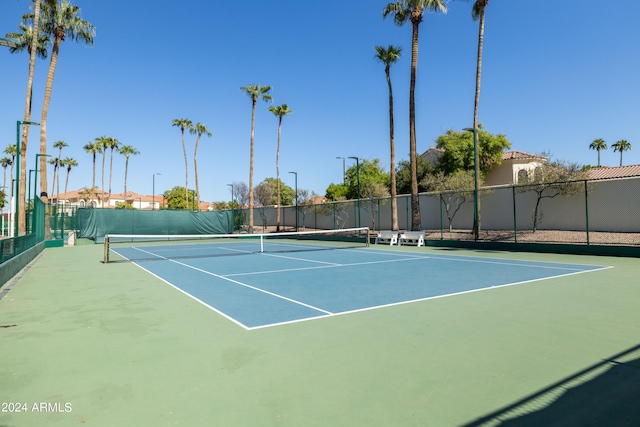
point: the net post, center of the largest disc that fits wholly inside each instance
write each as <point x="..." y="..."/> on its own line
<point x="261" y="243"/>
<point x="106" y="249"/>
<point x="368" y="237"/>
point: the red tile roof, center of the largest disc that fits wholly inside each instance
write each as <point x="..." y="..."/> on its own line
<point x="519" y="155"/>
<point x="609" y="172"/>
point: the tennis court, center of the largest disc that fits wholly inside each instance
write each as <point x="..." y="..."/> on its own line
<point x="282" y="281"/>
<point x="413" y="337"/>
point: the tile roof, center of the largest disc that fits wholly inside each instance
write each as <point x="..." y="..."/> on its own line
<point x="519" y="155"/>
<point x="609" y="172"/>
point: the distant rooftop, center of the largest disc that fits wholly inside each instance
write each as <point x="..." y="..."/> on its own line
<point x="519" y="155"/>
<point x="609" y="172"/>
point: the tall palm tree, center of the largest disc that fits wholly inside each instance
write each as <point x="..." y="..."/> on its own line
<point x="622" y="145"/>
<point x="104" y="142"/>
<point x="478" y="14"/>
<point x="280" y="111"/>
<point x="126" y="151"/>
<point x="185" y="124"/>
<point x="69" y="163"/>
<point x="11" y="150"/>
<point x="5" y="161"/>
<point x="60" y="20"/>
<point x="254" y="92"/>
<point x="598" y="144"/>
<point x="404" y="11"/>
<point x="23" y="41"/>
<point x="93" y="148"/>
<point x="113" y="144"/>
<point x="27" y="114"/>
<point x="388" y="57"/>
<point x="56" y="165"/>
<point x="200" y="129"/>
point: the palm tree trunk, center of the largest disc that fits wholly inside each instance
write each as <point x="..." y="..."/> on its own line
<point x="278" y="177"/>
<point x="126" y="171"/>
<point x="253" y="120"/>
<point x="415" y="200"/>
<point x="66" y="181"/>
<point x="195" y="171"/>
<point x="186" y="172"/>
<point x="392" y="167"/>
<point x="476" y="102"/>
<point x="45" y="111"/>
<point x="104" y="155"/>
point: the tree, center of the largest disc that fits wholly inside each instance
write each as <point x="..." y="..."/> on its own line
<point x="403" y="175"/>
<point x="598" y="144"/>
<point x="267" y="193"/>
<point x="60" y="145"/>
<point x="458" y="151"/>
<point x="254" y="92"/>
<point x="126" y="151"/>
<point x="93" y="148"/>
<point x="453" y="190"/>
<point x="27" y="114"/>
<point x="390" y="56"/>
<point x="56" y="165"/>
<point x="185" y="124"/>
<point x="200" y="129"/>
<point x="280" y="111"/>
<point x="370" y="172"/>
<point x="404" y="11"/>
<point x="60" y="20"/>
<point x="177" y="197"/>
<point x="69" y="163"/>
<point x="622" y="145"/>
<point x="374" y="193"/>
<point x="336" y="192"/>
<point x="23" y="40"/>
<point x="11" y="150"/>
<point x="113" y="144"/>
<point x="552" y="179"/>
<point x="241" y="193"/>
<point x="5" y="161"/>
<point x="104" y="142"/>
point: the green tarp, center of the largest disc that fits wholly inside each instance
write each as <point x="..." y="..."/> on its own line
<point x="95" y="223"/>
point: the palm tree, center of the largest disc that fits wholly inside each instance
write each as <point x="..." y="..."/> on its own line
<point x="622" y="145"/>
<point x="254" y="92"/>
<point x="598" y="144"/>
<point x="389" y="56"/>
<point x="279" y="111"/>
<point x="126" y="151"/>
<point x="69" y="163"/>
<point x="113" y="144"/>
<point x="93" y="148"/>
<point x="5" y="161"/>
<point x="104" y="142"/>
<point x="200" y="129"/>
<point x="60" y="20"/>
<point x="56" y="165"/>
<point x="404" y="11"/>
<point x="11" y="150"/>
<point x="27" y="114"/>
<point x="182" y="124"/>
<point x="22" y="40"/>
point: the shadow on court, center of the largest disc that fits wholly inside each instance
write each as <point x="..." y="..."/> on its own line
<point x="605" y="394"/>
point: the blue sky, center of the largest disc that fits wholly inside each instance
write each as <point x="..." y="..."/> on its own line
<point x="556" y="75"/>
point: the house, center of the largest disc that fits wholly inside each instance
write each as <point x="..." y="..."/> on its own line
<point x="514" y="167"/>
<point x="609" y="172"/>
<point x="98" y="199"/>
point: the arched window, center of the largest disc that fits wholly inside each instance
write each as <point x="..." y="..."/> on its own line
<point x="523" y="176"/>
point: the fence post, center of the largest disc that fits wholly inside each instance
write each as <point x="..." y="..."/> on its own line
<point x="515" y="225"/>
<point x="586" y="209"/>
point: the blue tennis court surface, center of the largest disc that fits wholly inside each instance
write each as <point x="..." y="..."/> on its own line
<point x="266" y="289"/>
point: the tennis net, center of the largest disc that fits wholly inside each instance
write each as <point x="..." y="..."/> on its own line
<point x="142" y="247"/>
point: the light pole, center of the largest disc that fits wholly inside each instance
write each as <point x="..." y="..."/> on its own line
<point x="358" y="178"/>
<point x="233" y="212"/>
<point x="296" y="190"/>
<point x="344" y="170"/>
<point x="153" y="195"/>
<point x="35" y="181"/>
<point x="17" y="165"/>
<point x="476" y="173"/>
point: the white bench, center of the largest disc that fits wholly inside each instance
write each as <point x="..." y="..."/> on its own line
<point x="412" y="238"/>
<point x="387" y="237"/>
